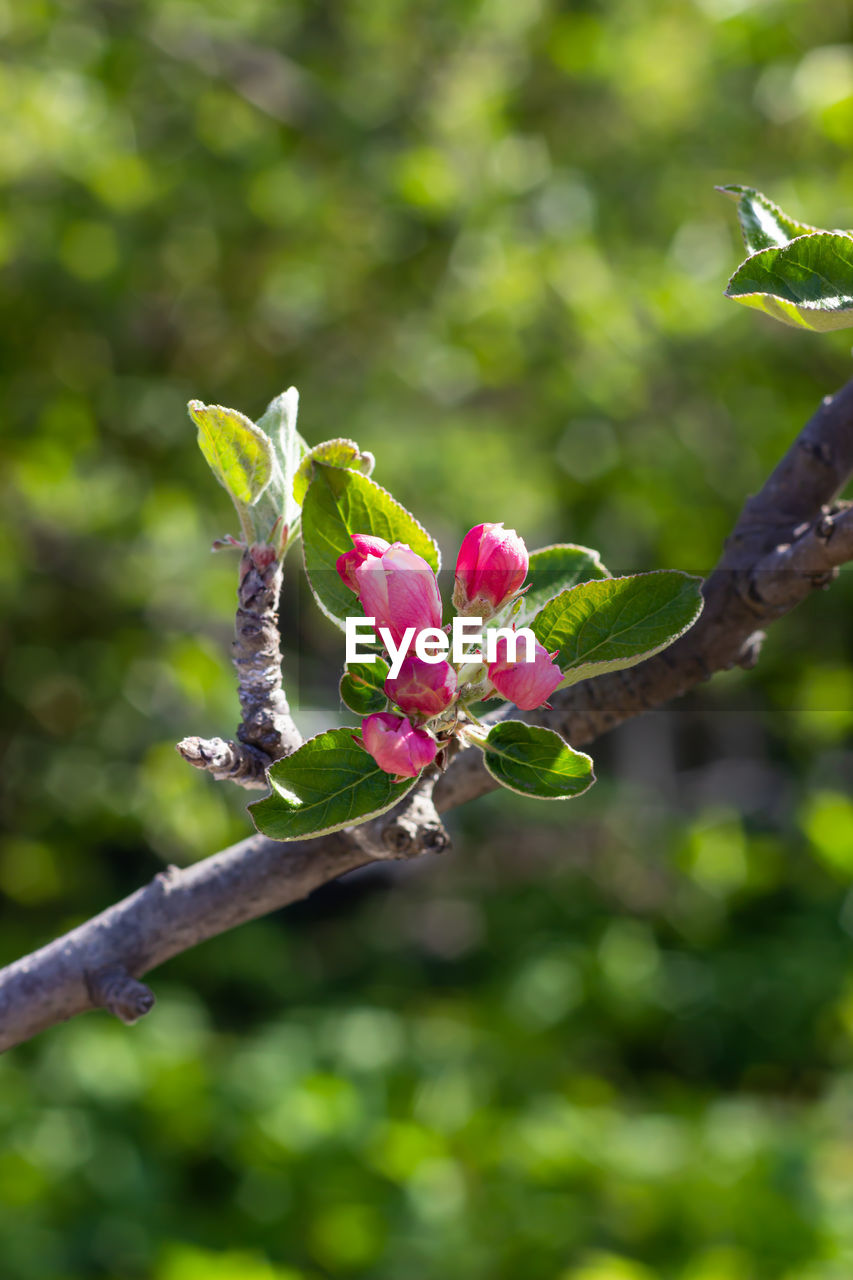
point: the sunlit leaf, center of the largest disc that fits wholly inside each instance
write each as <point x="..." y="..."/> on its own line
<point x="763" y="224"/>
<point x="279" y="423"/>
<point x="617" y="622"/>
<point x="238" y="452"/>
<point x="536" y="762"/>
<point x="555" y="569"/>
<point x="330" y="782"/>
<point x="339" y="503"/>
<point x="333" y="453"/>
<point x="807" y="283"/>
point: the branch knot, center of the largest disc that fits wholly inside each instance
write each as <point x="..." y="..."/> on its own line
<point x="412" y="828"/>
<point x="116" y="990"/>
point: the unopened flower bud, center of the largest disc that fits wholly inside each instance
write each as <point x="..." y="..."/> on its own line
<point x="491" y="566"/>
<point x="399" y="589"/>
<point x="396" y="745"/>
<point x="527" y="684"/>
<point x="364" y="545"/>
<point x="427" y="688"/>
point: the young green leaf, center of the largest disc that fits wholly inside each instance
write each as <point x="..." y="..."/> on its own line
<point x="238" y="453"/>
<point x="617" y="622"/>
<point x="333" y="453"/>
<point x="763" y="224"/>
<point x="279" y="423"/>
<point x="362" y="686"/>
<point x="330" y="782"/>
<point x="555" y="569"/>
<point x="339" y="503"/>
<point x="536" y="762"/>
<point x="806" y="283"/>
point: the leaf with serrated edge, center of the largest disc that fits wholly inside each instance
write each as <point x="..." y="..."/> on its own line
<point x="332" y="453"/>
<point x="536" y="762"/>
<point x="362" y="686"/>
<point x="339" y="503"/>
<point x="807" y="283"/>
<point x="763" y="224"/>
<point x="617" y="622"/>
<point x="554" y="569"/>
<point x="238" y="453"/>
<point x="329" y="783"/>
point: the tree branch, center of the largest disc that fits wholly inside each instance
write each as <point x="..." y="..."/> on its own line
<point x="785" y="544"/>
<point x="267" y="732"/>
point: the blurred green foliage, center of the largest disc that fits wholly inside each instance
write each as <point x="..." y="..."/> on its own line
<point x="481" y="237"/>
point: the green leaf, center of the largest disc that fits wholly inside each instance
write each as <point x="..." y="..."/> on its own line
<point x="332" y="453"/>
<point x="362" y="686"/>
<point x="536" y="762"/>
<point x="618" y="622"/>
<point x="238" y="453"/>
<point x="763" y="224"/>
<point x="339" y="503"/>
<point x="807" y="283"/>
<point x="279" y="423"/>
<point x="554" y="569"/>
<point x="330" y="782"/>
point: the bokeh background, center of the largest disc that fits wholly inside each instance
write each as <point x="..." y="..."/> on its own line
<point x="611" y="1040"/>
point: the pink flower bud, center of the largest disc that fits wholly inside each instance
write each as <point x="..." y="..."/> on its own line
<point x="365" y="545"/>
<point x="399" y="590"/>
<point x="396" y="745"/>
<point x="491" y="566"/>
<point x="527" y="684"/>
<point x="424" y="687"/>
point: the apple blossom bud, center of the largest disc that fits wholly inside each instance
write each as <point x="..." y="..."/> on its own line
<point x="396" y="745"/>
<point x="491" y="566"/>
<point x="399" y="589"/>
<point x="427" y="688"/>
<point x="365" y="545"/>
<point x="527" y="684"/>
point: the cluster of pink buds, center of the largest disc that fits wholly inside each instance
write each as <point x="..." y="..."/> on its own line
<point x="399" y="590"/>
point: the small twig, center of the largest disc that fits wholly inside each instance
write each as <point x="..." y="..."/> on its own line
<point x="267" y="732"/>
<point x="121" y="994"/>
<point x="227" y="761"/>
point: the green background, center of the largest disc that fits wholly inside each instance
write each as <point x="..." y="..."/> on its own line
<point x="604" y="1041"/>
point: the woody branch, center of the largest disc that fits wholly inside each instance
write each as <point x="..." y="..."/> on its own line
<point x="790" y="539"/>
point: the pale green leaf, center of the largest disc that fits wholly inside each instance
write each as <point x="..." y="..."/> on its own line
<point x="279" y="423"/>
<point x="333" y="453"/>
<point x="238" y="453"/>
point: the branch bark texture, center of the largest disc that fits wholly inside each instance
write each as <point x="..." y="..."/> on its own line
<point x="267" y="732"/>
<point x="788" y="540"/>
